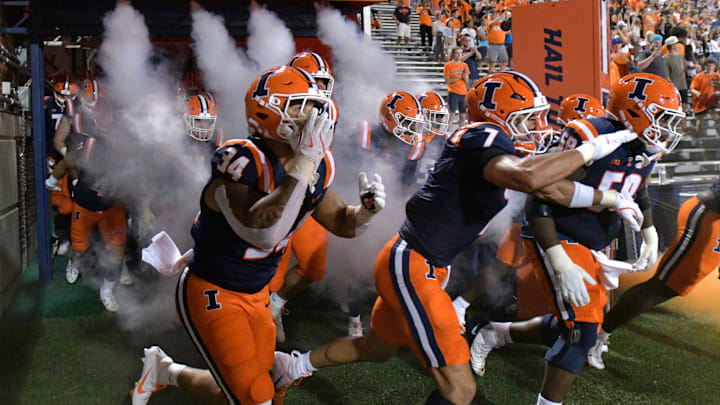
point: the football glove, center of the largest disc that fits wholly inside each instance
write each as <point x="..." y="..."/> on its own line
<point x="315" y="138"/>
<point x="570" y="277"/>
<point x="603" y="145"/>
<point x="51" y="183"/>
<point x="648" y="250"/>
<point x="629" y="211"/>
<point x="372" y="198"/>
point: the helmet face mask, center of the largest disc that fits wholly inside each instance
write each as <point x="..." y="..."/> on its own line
<point x="662" y="134"/>
<point x="200" y="128"/>
<point x="437" y="122"/>
<point x="295" y="110"/>
<point x="530" y="124"/>
<point x="408" y="129"/>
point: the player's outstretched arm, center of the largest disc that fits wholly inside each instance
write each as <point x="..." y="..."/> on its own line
<point x="348" y="221"/>
<point x="649" y="247"/>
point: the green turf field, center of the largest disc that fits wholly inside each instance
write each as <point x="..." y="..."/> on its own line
<point x="58" y="346"/>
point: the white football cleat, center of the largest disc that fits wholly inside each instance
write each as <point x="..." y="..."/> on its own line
<point x="355" y="327"/>
<point x="71" y="272"/>
<point x="286" y="373"/>
<point x="108" y="299"/>
<point x="482" y="345"/>
<point x="595" y="359"/>
<point x="154" y="377"/>
<point x="125" y="278"/>
<point x="277" y="313"/>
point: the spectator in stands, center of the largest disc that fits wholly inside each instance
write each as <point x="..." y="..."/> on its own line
<point x="375" y="19"/>
<point x="620" y="60"/>
<point x="457" y="77"/>
<point x="497" y="53"/>
<point x="468" y="29"/>
<point x="441" y="32"/>
<point x="471" y="56"/>
<point x="677" y="68"/>
<point x="401" y="15"/>
<point x="650" y="60"/>
<point x="482" y="39"/>
<point x="705" y="89"/>
<point x="426" y="24"/>
<point x="507" y="27"/>
<point x="455" y="26"/>
<point x="714" y="45"/>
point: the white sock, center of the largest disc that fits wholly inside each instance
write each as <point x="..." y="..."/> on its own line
<point x="502" y="330"/>
<point x="355" y="319"/>
<point x="174" y="371"/>
<point x="277" y="301"/>
<point x="460" y="303"/>
<point x="107" y="285"/>
<point x="305" y="364"/>
<point x="543" y="401"/>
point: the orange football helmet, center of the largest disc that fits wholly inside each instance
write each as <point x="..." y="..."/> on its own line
<point x="434" y="108"/>
<point x="513" y="101"/>
<point x="64" y="86"/>
<point x="317" y="67"/>
<point x="580" y="106"/>
<point x="650" y="106"/>
<point x="401" y="115"/>
<point x="270" y="96"/>
<point x="91" y="94"/>
<point x="200" y="117"/>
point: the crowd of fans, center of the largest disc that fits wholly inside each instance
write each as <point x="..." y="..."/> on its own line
<point x="677" y="40"/>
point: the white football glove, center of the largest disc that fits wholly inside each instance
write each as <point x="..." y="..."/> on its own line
<point x="315" y="138"/>
<point x="603" y="145"/>
<point x="629" y="211"/>
<point x="648" y="250"/>
<point x="570" y="277"/>
<point x="372" y="198"/>
<point x="51" y="183"/>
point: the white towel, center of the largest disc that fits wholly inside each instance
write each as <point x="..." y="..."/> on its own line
<point x="612" y="269"/>
<point x="164" y="255"/>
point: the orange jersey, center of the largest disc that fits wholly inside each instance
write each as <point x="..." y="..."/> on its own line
<point x="694" y="253"/>
<point x="495" y="34"/>
<point x="424" y="14"/>
<point x="702" y="82"/>
<point x="413" y="309"/>
<point x="454" y="70"/>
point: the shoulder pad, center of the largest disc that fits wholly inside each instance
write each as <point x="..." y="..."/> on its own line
<point x="240" y="160"/>
<point x="483" y="135"/>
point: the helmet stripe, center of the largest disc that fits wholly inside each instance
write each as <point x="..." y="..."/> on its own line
<point x="529" y="82"/>
<point x="319" y="60"/>
<point x="203" y="104"/>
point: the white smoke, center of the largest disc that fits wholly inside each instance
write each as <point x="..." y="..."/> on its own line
<point x="227" y="71"/>
<point x="270" y="43"/>
<point x="152" y="166"/>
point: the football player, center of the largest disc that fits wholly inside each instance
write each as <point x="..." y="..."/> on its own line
<point x="400" y="119"/>
<point x="463" y="192"/>
<point x="59" y="110"/>
<point x="93" y="208"/>
<point x="510" y="252"/>
<point x="564" y="238"/>
<point x="693" y="254"/>
<point x="579" y="106"/>
<point x="261" y="189"/>
<point x="309" y="242"/>
<point x="437" y="117"/>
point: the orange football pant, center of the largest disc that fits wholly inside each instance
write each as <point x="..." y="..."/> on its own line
<point x="412" y="308"/>
<point x="309" y="244"/>
<point x="111" y="223"/>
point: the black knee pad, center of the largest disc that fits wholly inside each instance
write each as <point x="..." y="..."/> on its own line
<point x="549" y="330"/>
<point x="571" y="348"/>
<point x="61" y="226"/>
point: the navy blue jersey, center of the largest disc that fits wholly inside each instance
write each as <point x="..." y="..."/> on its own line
<point x="88" y="192"/>
<point x="384" y="145"/>
<point x="456" y="203"/>
<point x="54" y="111"/>
<point x="618" y="171"/>
<point x="220" y="255"/>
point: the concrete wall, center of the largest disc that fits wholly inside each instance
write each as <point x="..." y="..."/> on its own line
<point x="17" y="219"/>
